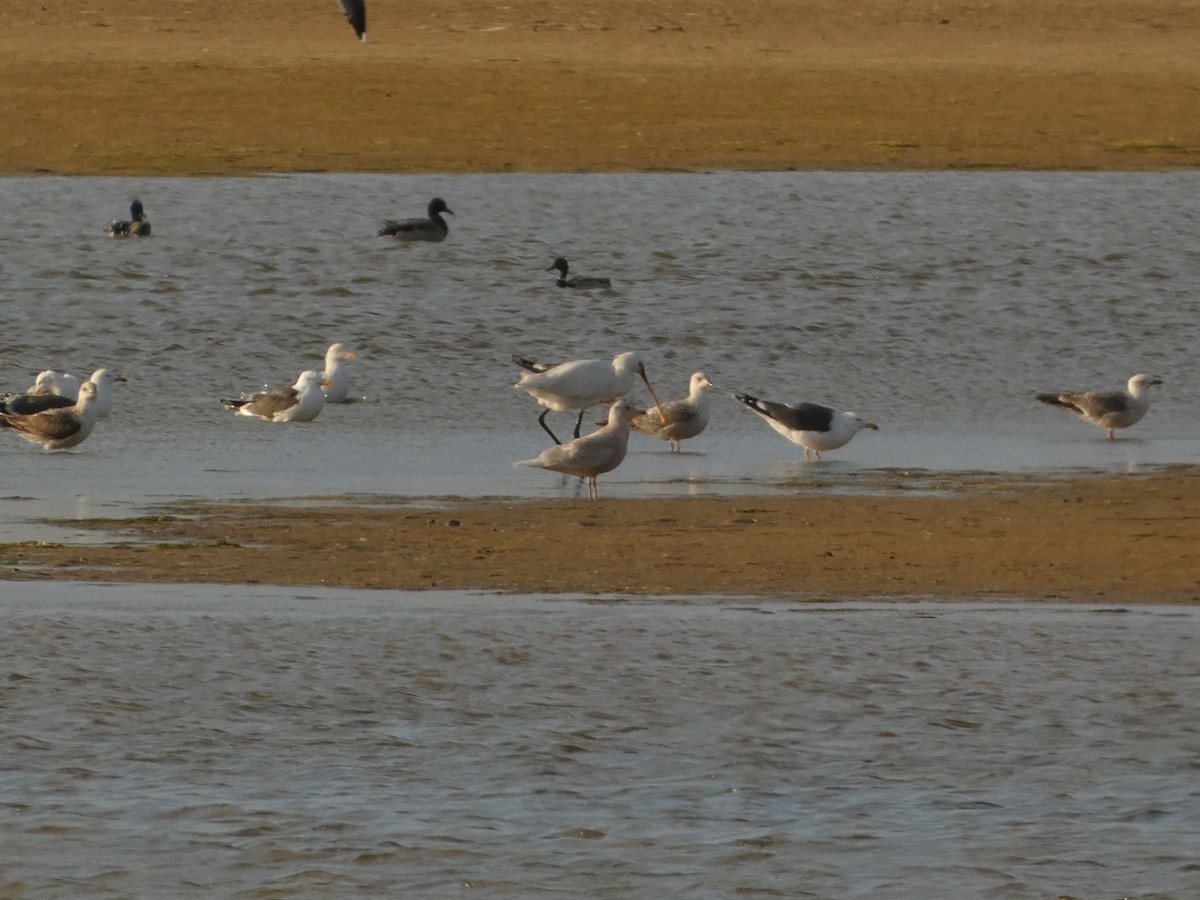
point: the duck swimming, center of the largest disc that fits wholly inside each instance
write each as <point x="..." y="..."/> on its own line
<point x="578" y="282"/>
<point x="431" y="228"/>
<point x="137" y="226"/>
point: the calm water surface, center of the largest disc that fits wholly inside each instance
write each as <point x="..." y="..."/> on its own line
<point x="934" y="304"/>
<point x="255" y="742"/>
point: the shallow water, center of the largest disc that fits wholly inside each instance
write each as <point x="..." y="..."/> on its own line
<point x="258" y="742"/>
<point x="932" y="303"/>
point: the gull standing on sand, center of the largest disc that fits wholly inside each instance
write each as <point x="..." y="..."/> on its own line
<point x="356" y="15"/>
<point x="1108" y="409"/>
<point x="579" y="282"/>
<point x="137" y="226"/>
<point x="815" y="428"/>
<point x="57" y="429"/>
<point x="431" y="228"/>
<point x="678" y="420"/>
<point x="579" y="384"/>
<point x="336" y="375"/>
<point x="301" y="402"/>
<point x="586" y="457"/>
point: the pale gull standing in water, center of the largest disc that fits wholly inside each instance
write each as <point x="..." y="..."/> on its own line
<point x="594" y="454"/>
<point x="677" y="420"/>
<point x="815" y="428"/>
<point x="57" y="429"/>
<point x="301" y="402"/>
<point x="579" y="282"/>
<point x="579" y="384"/>
<point x="1108" y="409"/>
<point x="337" y="375"/>
<point x="431" y="228"/>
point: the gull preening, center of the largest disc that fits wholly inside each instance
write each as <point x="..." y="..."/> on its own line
<point x="579" y="384"/>
<point x="356" y="15"/>
<point x="1108" y="409"/>
<point x="594" y="454"/>
<point x="301" y="402"/>
<point x="432" y="228"/>
<point x="60" y="428"/>
<point x="579" y="282"/>
<point x="137" y="226"/>
<point x="815" y="428"/>
<point x="337" y="375"/>
<point x="678" y="420"/>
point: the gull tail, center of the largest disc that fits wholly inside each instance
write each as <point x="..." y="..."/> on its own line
<point x="1055" y="400"/>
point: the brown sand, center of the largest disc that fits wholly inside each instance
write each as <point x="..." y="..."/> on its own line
<point x="1119" y="539"/>
<point x="218" y="86"/>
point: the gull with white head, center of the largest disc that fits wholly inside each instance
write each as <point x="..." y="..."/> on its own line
<point x="815" y="428"/>
<point x="678" y="420"/>
<point x="1109" y="410"/>
<point x="301" y="402"/>
<point x="57" y="429"/>
<point x="594" y="454"/>
<point x="336" y="374"/>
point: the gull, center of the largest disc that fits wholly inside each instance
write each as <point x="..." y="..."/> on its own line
<point x="815" y="428"/>
<point x="592" y="455"/>
<point x="431" y="228"/>
<point x="579" y="384"/>
<point x="301" y="402"/>
<point x="104" y="379"/>
<point x="49" y="392"/>
<point x="677" y="420"/>
<point x="138" y="226"/>
<point x="580" y="282"/>
<point x="1108" y="409"/>
<point x="356" y="15"/>
<point x="52" y="382"/>
<point x="57" y="429"/>
<point x="336" y="375"/>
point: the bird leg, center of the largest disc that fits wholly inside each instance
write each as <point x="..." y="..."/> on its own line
<point x="579" y="423"/>
<point x="546" y="428"/>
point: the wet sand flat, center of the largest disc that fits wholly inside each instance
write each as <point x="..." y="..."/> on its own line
<point x="195" y="88"/>
<point x="1100" y="539"/>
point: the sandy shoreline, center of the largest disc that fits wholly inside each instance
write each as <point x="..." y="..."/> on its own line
<point x="191" y="88"/>
<point x="1125" y="539"/>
